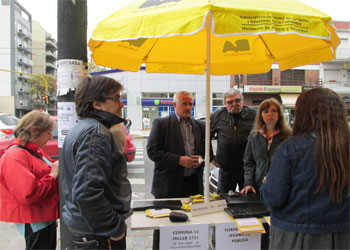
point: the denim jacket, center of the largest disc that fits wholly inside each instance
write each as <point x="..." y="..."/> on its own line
<point x="290" y="192"/>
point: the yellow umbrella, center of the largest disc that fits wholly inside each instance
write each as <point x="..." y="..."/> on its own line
<point x="247" y="36"/>
<point x="215" y="37"/>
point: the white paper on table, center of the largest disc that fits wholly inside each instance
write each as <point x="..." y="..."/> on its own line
<point x="184" y="237"/>
<point x="227" y="236"/>
<point x="250" y="225"/>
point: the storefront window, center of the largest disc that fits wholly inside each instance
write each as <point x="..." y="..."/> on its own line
<point x="217" y="100"/>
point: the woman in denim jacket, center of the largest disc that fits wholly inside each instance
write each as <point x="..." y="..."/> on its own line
<point x="307" y="187"/>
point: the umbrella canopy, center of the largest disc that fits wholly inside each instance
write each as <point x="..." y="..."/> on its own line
<point x="214" y="37"/>
<point x="247" y="36"/>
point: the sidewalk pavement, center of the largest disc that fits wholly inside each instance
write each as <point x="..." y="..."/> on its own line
<point x="11" y="239"/>
<point x="139" y="134"/>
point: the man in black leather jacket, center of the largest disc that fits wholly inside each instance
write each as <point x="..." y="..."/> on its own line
<point x="231" y="125"/>
<point x="95" y="187"/>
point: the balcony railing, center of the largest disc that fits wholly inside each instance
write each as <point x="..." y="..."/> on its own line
<point x="337" y="84"/>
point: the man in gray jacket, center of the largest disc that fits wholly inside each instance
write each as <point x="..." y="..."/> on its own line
<point x="231" y="125"/>
<point x="95" y="187"/>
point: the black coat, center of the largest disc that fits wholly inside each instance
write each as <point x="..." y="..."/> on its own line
<point x="257" y="158"/>
<point x="165" y="146"/>
<point x="231" y="138"/>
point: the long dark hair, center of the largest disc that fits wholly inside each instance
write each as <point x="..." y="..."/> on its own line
<point x="321" y="112"/>
<point x="281" y="124"/>
<point x="94" y="88"/>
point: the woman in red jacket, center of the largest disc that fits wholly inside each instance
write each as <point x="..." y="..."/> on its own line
<point x="29" y="182"/>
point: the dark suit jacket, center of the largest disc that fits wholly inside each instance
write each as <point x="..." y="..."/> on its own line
<point x="165" y="146"/>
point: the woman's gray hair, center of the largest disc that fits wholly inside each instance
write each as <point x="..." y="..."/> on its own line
<point x="182" y="92"/>
<point x="36" y="119"/>
<point x="232" y="92"/>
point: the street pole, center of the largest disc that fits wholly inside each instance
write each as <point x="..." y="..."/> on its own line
<point x="72" y="47"/>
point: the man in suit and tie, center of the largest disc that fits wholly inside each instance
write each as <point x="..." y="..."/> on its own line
<point x="176" y="143"/>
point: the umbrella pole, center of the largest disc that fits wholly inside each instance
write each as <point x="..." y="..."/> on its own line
<point x="207" y="120"/>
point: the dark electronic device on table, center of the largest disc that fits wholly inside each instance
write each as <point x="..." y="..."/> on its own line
<point x="245" y="205"/>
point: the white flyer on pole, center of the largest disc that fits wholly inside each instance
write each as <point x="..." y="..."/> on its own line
<point x="66" y="120"/>
<point x="69" y="74"/>
<point x="227" y="236"/>
<point x="184" y="237"/>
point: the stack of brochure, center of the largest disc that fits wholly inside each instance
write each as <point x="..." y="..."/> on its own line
<point x="158" y="213"/>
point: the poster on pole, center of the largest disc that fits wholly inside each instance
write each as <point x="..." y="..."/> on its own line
<point x="227" y="236"/>
<point x="69" y="73"/>
<point x="184" y="237"/>
<point x="66" y="120"/>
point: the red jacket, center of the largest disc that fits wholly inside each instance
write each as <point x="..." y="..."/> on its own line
<point x="27" y="192"/>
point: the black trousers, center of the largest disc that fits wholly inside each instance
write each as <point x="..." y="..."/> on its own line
<point x="42" y="239"/>
<point x="97" y="242"/>
<point x="229" y="179"/>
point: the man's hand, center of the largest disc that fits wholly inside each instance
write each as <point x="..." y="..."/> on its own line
<point x="215" y="163"/>
<point x="189" y="161"/>
<point x="247" y="189"/>
<point x="195" y="161"/>
<point x="185" y="161"/>
<point x="54" y="170"/>
<point x="117" y="238"/>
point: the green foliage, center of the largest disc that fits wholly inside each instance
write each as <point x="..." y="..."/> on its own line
<point x="95" y="68"/>
<point x="37" y="89"/>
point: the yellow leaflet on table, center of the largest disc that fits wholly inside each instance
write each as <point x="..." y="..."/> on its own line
<point x="158" y="213"/>
<point x="249" y="225"/>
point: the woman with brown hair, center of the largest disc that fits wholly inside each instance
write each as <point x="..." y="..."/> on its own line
<point x="307" y="187"/>
<point x="29" y="182"/>
<point x="270" y="129"/>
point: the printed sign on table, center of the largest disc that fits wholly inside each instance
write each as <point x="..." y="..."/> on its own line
<point x="228" y="237"/>
<point x="184" y="237"/>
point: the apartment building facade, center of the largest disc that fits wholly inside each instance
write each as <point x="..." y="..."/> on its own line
<point x="15" y="56"/>
<point x="25" y="49"/>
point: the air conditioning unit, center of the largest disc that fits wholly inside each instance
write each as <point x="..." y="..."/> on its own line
<point x="21" y="103"/>
<point x="21" y="89"/>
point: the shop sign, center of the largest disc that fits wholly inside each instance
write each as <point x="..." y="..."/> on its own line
<point x="272" y="89"/>
<point x="308" y="87"/>
<point x="184" y="237"/>
<point x="159" y="102"/>
<point x="227" y="236"/>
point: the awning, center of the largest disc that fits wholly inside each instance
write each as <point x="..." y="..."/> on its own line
<point x="289" y="100"/>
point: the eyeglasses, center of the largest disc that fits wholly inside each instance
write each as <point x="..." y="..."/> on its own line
<point x="115" y="98"/>
<point x="238" y="100"/>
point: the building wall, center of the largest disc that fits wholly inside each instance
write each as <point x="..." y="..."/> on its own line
<point x="39" y="48"/>
<point x="138" y="83"/>
<point x="5" y="53"/>
<point x="311" y="76"/>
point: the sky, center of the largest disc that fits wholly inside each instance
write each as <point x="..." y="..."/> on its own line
<point x="45" y="11"/>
